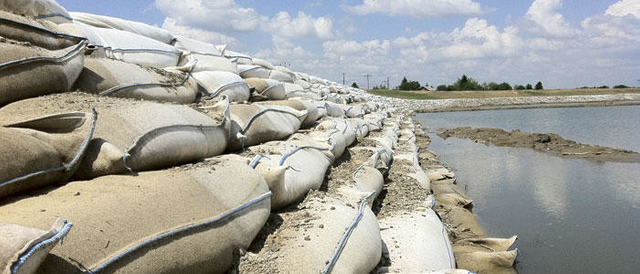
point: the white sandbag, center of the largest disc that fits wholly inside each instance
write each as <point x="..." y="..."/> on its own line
<point x="287" y="71"/>
<point x="22" y="249"/>
<point x="28" y="71"/>
<point x="338" y="99"/>
<point x="334" y="110"/>
<point x="337" y="238"/>
<point x="143" y="29"/>
<point x="169" y="221"/>
<point x="206" y="62"/>
<point x="43" y="151"/>
<point x="340" y="126"/>
<point x="263" y="63"/>
<point x="292" y="89"/>
<point x="110" y="77"/>
<point x="302" y="105"/>
<point x="304" y="84"/>
<point x="221" y="83"/>
<point x="131" y="47"/>
<point x="136" y="135"/>
<point x="255" y="124"/>
<point x="39" y="9"/>
<point x="238" y="58"/>
<point x="251" y="71"/>
<point x="292" y="168"/>
<point x="353" y="110"/>
<point x="417" y="241"/>
<point x="281" y="76"/>
<point x="195" y="46"/>
<point x="265" y="89"/>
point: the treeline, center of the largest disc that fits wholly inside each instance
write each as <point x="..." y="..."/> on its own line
<point x="468" y="83"/>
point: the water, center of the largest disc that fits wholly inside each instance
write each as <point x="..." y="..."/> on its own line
<point x="606" y="126"/>
<point x="571" y="215"/>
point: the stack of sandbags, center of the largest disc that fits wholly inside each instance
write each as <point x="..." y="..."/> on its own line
<point x="189" y="219"/>
<point x="36" y="57"/>
<point x="101" y="21"/>
<point x="135" y="135"/>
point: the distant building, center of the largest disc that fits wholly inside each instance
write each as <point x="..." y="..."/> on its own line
<point x="427" y="88"/>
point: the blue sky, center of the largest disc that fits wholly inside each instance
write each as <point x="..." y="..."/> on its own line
<point x="564" y="44"/>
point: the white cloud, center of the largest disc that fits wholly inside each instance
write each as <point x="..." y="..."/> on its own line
<point x="625" y="7"/>
<point x="219" y="15"/>
<point x="417" y="8"/>
<point x="546" y="19"/>
<point x="212" y="37"/>
<point x="303" y="26"/>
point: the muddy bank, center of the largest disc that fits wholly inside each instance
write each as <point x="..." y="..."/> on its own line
<point x="550" y="143"/>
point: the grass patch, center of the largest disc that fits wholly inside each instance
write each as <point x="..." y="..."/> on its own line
<point x="402" y="94"/>
<point x="428" y="95"/>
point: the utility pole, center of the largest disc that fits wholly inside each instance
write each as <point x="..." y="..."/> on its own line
<point x="368" y="76"/>
<point x="343" y="78"/>
<point x="388" y="82"/>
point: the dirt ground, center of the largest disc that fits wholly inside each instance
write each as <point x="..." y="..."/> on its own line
<point x="550" y="143"/>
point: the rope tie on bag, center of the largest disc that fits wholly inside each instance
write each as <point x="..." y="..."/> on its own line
<point x="41" y="245"/>
<point x="347" y="234"/>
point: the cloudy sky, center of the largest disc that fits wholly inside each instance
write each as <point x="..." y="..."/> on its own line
<point x="564" y="44"/>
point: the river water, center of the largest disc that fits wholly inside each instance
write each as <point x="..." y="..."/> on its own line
<point x="571" y="215"/>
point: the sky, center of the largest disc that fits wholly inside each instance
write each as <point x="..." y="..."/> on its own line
<point x="563" y="44"/>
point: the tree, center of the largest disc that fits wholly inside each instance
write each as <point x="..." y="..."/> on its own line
<point x="354" y="85"/>
<point x="620" y="86"/>
<point x="466" y="83"/>
<point x="539" y="86"/>
<point x="529" y="86"/>
<point x="442" y="88"/>
<point x="408" y="85"/>
<point x="519" y="87"/>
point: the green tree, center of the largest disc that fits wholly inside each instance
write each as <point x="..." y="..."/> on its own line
<point x="529" y="86"/>
<point x="354" y="85"/>
<point x="408" y="85"/>
<point x="620" y="86"/>
<point x="539" y="86"/>
<point x="466" y="83"/>
<point x="442" y="88"/>
<point x="519" y="87"/>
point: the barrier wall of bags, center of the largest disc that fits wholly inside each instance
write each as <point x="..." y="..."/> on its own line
<point x="149" y="152"/>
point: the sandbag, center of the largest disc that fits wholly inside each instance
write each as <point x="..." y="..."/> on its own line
<point x="417" y="241"/>
<point x="263" y="63"/>
<point x="265" y="89"/>
<point x="501" y="262"/>
<point x="195" y="46"/>
<point x="238" y="58"/>
<point x="110" y="77"/>
<point x="302" y="105"/>
<point x="333" y="137"/>
<point x="304" y="84"/>
<point x="292" y="168"/>
<point x="139" y="28"/>
<point x="342" y="127"/>
<point x="281" y="76"/>
<point x="292" y="89"/>
<point x="169" y="221"/>
<point x="223" y="83"/>
<point x="39" y="9"/>
<point x="412" y="168"/>
<point x="334" y="110"/>
<point x="353" y="110"/>
<point x="22" y="249"/>
<point x="136" y="135"/>
<point x="28" y="71"/>
<point x="251" y="71"/>
<point x="286" y="70"/>
<point x="130" y="47"/>
<point x="339" y="237"/>
<point x="207" y="62"/>
<point x="43" y="151"/>
<point x="255" y="124"/>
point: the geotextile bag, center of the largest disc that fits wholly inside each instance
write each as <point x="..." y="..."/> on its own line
<point x="265" y="89"/>
<point x="143" y="29"/>
<point x="302" y="105"/>
<point x="254" y="124"/>
<point x="281" y="76"/>
<point x="43" y="151"/>
<point x="292" y="168"/>
<point x="29" y="71"/>
<point x="137" y="135"/>
<point x="252" y="71"/>
<point x="170" y="221"/>
<point x="22" y="249"/>
<point x="40" y="9"/>
<point x="223" y="83"/>
<point x="110" y="77"/>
